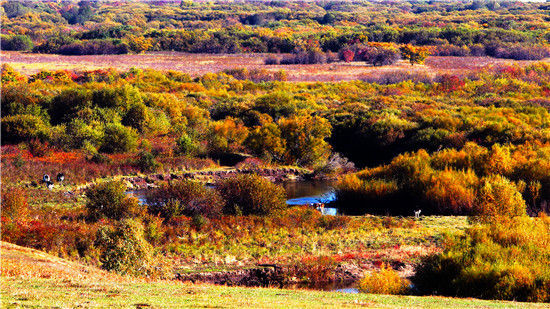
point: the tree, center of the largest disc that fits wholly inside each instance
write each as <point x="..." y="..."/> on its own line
<point x="497" y="196"/>
<point x="118" y="138"/>
<point x="109" y="200"/>
<point x="251" y="195"/>
<point x="415" y="54"/>
<point x="22" y="128"/>
<point x="305" y="138"/>
<point x="16" y="42"/>
<point x="266" y="141"/>
<point x="124" y="248"/>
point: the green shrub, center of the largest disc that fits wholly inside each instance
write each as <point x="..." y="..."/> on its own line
<point x="186" y="198"/>
<point x="65" y="106"/>
<point x="23" y="128"/>
<point x="109" y="200"/>
<point x="136" y="117"/>
<point x="384" y="281"/>
<point x="504" y="259"/>
<point x="118" y="138"/>
<point x="186" y="146"/>
<point x="79" y="133"/>
<point x="124" y="249"/>
<point x="16" y="42"/>
<point x="251" y="195"/>
<point x="147" y="162"/>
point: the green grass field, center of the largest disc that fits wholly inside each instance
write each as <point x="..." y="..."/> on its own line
<point x="34" y="279"/>
<point x="67" y="294"/>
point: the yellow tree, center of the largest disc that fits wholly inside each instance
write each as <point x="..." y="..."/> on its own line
<point x="415" y="54"/>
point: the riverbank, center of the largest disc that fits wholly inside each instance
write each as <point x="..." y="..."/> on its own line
<point x="32" y="278"/>
<point x="19" y="292"/>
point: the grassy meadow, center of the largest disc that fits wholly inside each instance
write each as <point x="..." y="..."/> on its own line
<point x="60" y="283"/>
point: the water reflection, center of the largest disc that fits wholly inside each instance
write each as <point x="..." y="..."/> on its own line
<point x="311" y="192"/>
<point x="297" y="193"/>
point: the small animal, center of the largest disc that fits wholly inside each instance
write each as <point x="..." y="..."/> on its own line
<point x="49" y="185"/>
<point x="417" y="213"/>
<point x="46" y="178"/>
<point x="320" y="207"/>
<point x="60" y="177"/>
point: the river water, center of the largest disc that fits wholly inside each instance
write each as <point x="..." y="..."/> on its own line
<point x="297" y="193"/>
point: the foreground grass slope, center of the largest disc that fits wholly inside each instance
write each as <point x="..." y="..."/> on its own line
<point x="31" y="278"/>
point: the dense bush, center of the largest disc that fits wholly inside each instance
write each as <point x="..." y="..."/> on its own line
<point x="305" y="138"/>
<point x="109" y="200"/>
<point x="498" y="197"/>
<point x="186" y="146"/>
<point x="518" y="52"/>
<point x="384" y="281"/>
<point x="125" y="250"/>
<point x="147" y="162"/>
<point x="251" y="195"/>
<point x="14" y="204"/>
<point x="307" y="57"/>
<point x="506" y="259"/>
<point x="471" y="181"/>
<point x="93" y="47"/>
<point x="374" y="54"/>
<point x="16" y="42"/>
<point x="185" y="197"/>
<point x="118" y="138"/>
<point x="23" y="128"/>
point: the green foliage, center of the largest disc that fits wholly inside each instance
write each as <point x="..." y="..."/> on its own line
<point x="186" y="146"/>
<point x="66" y="106"/>
<point x="504" y="259"/>
<point x="136" y="117"/>
<point x="16" y="42"/>
<point x="276" y="105"/>
<point x="118" y="138"/>
<point x="186" y="198"/>
<point x="251" y="195"/>
<point x="147" y="162"/>
<point x="305" y="138"/>
<point x="109" y="200"/>
<point x="125" y="250"/>
<point x="79" y="134"/>
<point x="23" y="128"/>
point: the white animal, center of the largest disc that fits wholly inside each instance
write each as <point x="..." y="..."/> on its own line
<point x="320" y="207"/>
<point x="49" y="185"/>
<point x="417" y="213"/>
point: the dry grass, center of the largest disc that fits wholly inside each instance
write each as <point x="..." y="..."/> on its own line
<point x="199" y="64"/>
<point x="31" y="278"/>
<point x="22" y="262"/>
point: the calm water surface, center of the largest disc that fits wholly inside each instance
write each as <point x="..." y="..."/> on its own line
<point x="297" y="193"/>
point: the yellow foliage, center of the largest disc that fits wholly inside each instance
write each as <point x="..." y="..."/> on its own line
<point x="384" y="281"/>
